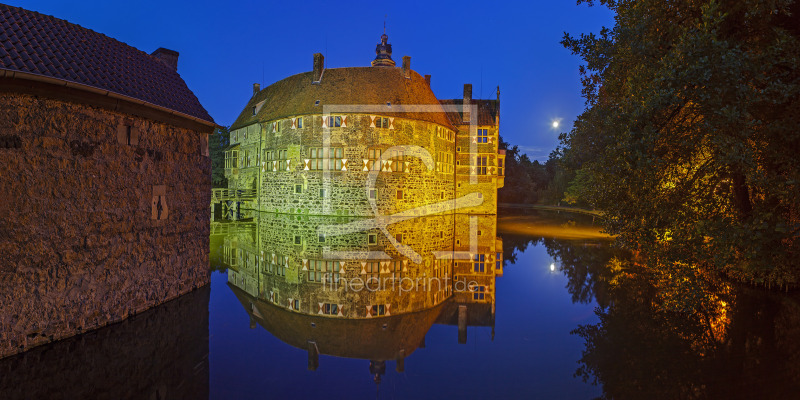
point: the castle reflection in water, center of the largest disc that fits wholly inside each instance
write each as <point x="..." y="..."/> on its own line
<point x="342" y="287"/>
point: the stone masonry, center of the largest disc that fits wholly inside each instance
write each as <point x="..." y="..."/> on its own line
<point x="82" y="238"/>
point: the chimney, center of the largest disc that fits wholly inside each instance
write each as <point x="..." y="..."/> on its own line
<point x="428" y="80"/>
<point x="467" y="93"/>
<point x="319" y="66"/>
<point x="467" y="102"/>
<point x="407" y="66"/>
<point x="167" y="56"/>
<point x="497" y="113"/>
<point x="256" y="88"/>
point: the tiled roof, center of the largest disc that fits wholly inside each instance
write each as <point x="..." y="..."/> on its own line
<point x="372" y="86"/>
<point x="39" y="44"/>
<point x="487" y="111"/>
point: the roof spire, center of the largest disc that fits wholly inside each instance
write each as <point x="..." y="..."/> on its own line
<point x="383" y="52"/>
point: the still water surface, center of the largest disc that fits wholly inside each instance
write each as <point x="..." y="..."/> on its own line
<point x="531" y="306"/>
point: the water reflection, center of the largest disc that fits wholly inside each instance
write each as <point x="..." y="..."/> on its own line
<point x="658" y="332"/>
<point x="674" y="338"/>
<point x="361" y="294"/>
<point x="666" y="332"/>
<point x="161" y="353"/>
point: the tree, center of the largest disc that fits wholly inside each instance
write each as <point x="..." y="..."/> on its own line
<point x="689" y="139"/>
<point x="217" y="143"/>
<point x="532" y="182"/>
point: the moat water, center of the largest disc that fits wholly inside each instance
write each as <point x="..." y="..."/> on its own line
<point x="530" y="306"/>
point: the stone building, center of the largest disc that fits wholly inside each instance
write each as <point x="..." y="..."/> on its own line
<point x="363" y="140"/>
<point x="105" y="179"/>
<point x="356" y="294"/>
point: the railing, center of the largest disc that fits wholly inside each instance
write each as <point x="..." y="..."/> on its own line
<point x="226" y="228"/>
<point x="218" y="195"/>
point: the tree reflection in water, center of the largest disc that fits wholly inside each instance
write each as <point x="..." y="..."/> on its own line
<point x="672" y="332"/>
<point x="666" y="335"/>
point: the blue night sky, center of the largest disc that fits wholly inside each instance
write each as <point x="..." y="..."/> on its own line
<point x="225" y="47"/>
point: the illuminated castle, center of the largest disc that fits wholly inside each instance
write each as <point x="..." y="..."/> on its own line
<point x="362" y="140"/>
<point x="356" y="295"/>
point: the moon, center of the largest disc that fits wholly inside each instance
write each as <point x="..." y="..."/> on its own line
<point x="555" y="124"/>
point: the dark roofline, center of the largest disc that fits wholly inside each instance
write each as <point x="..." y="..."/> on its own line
<point x="246" y="119"/>
<point x="42" y="85"/>
<point x="46" y="49"/>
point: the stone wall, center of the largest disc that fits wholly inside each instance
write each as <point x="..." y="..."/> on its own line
<point x="270" y="259"/>
<point x="468" y="178"/>
<point x="346" y="191"/>
<point x="103" y="216"/>
<point x="292" y="242"/>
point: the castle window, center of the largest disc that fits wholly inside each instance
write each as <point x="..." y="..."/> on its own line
<point x="254" y="110"/>
<point x="444" y="162"/>
<point x="478" y="292"/>
<point x="483" y="135"/>
<point x="298" y="188"/>
<point x="481" y="164"/>
<point x="324" y="158"/>
<point x="283" y="160"/>
<point x="294" y="305"/>
<point x="334" y="122"/>
<point x="323" y="271"/>
<point x="399" y="194"/>
<point x="399" y="238"/>
<point x="299" y="122"/>
<point x="396" y="268"/>
<point x="232" y="159"/>
<point x="479" y="264"/>
<point x="372" y="270"/>
<point x="278" y="267"/>
<point x="321" y="238"/>
<point x="298" y="239"/>
<point x="372" y="238"/>
<point x="378" y="310"/>
<point x="398" y="157"/>
<point x="323" y="193"/>
<point x="373" y="194"/>
<point x="374" y="156"/>
<point x="500" y="167"/>
<point x="381" y="122"/>
<point x="316" y="103"/>
<point x="126" y="134"/>
<point x="388" y="104"/>
<point x="330" y="309"/>
<point x="276" y="160"/>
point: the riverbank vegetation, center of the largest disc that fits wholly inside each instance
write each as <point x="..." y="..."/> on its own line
<point x="217" y="142"/>
<point x="690" y="136"/>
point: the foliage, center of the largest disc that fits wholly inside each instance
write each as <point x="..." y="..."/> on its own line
<point x="689" y="139"/>
<point x="725" y="342"/>
<point x="217" y="143"/>
<point x="532" y="182"/>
